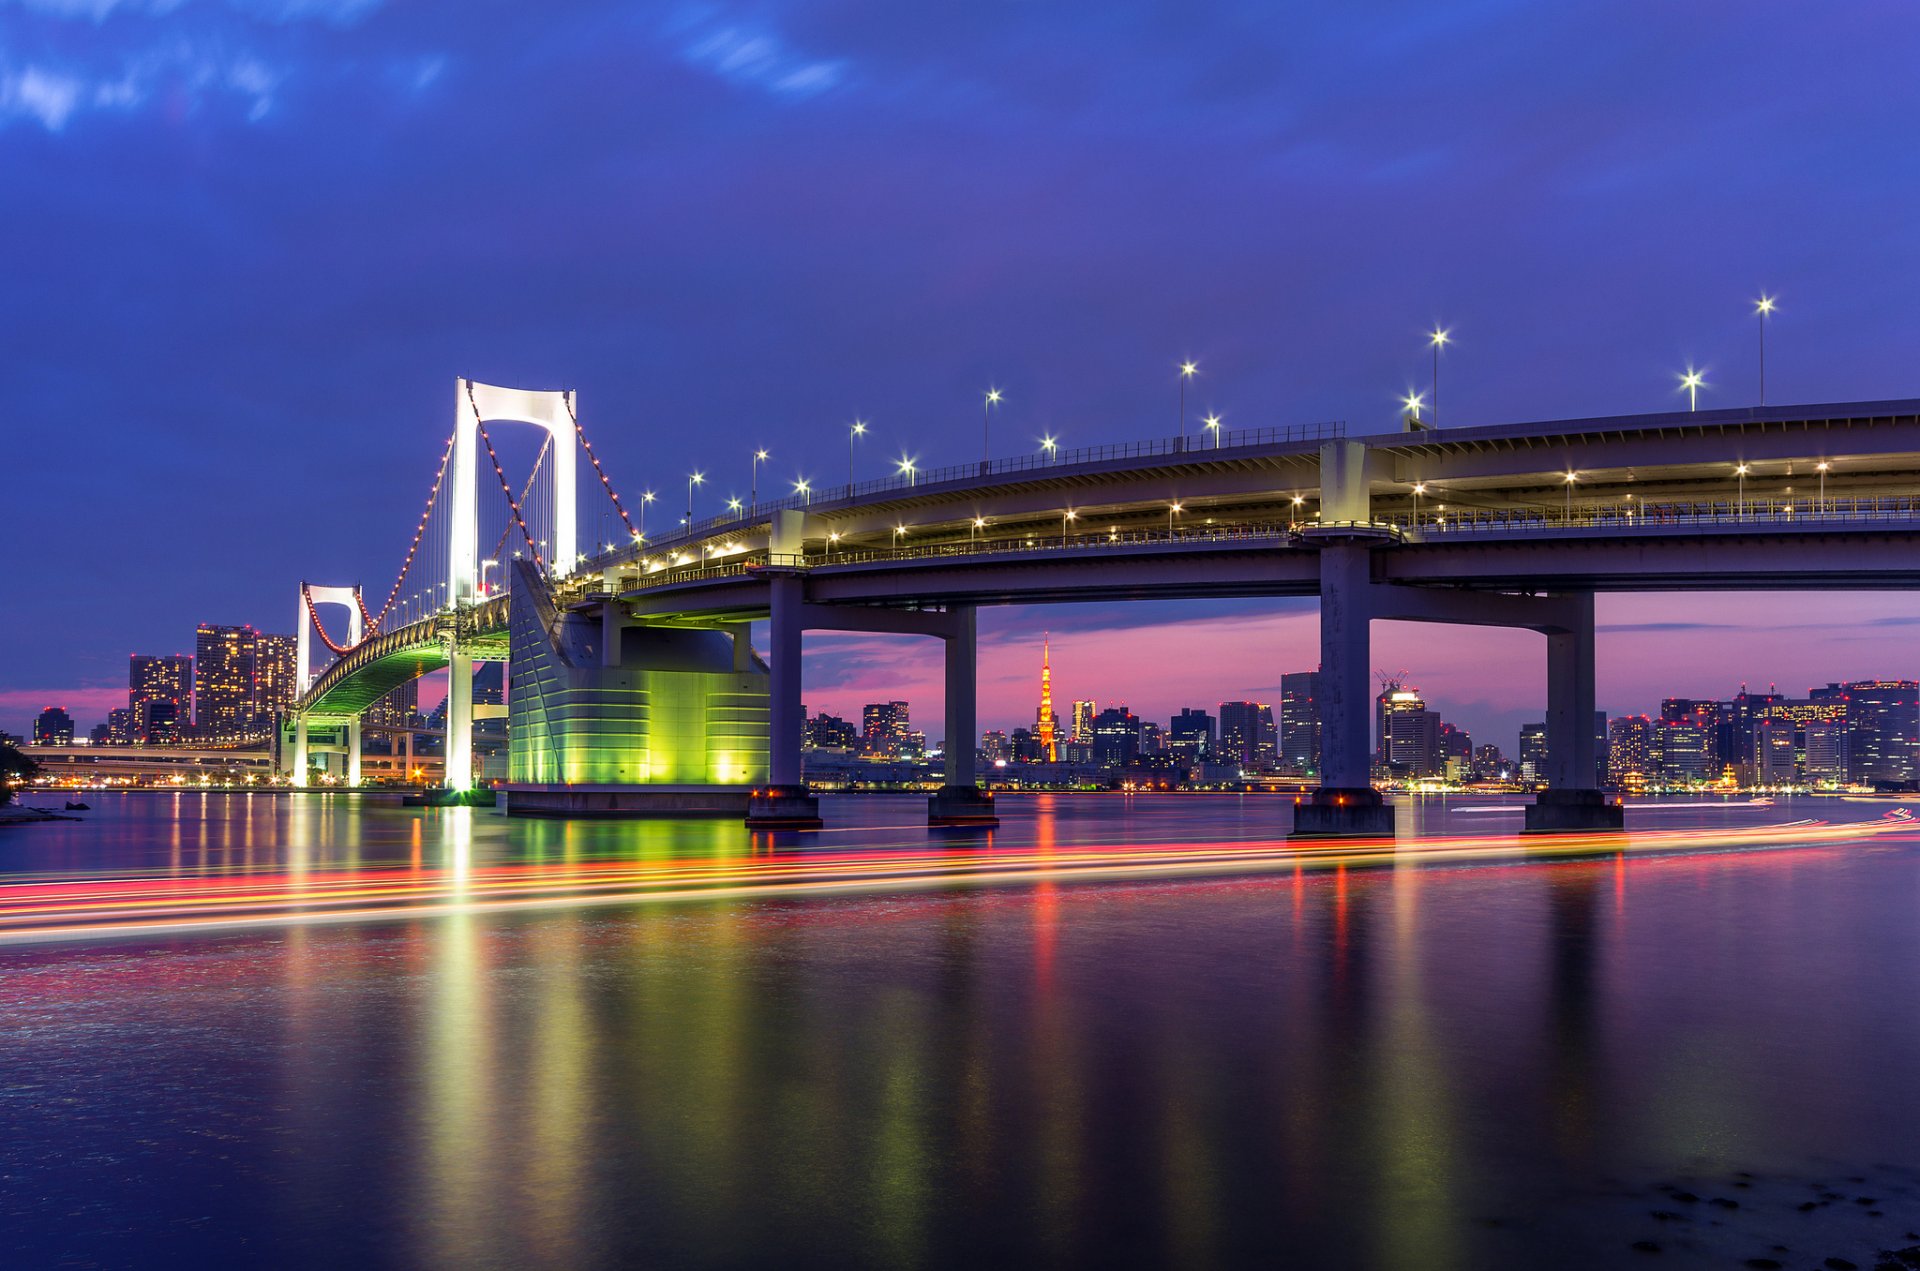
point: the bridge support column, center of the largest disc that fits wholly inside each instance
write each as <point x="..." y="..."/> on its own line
<point x="459" y="749"/>
<point x="960" y="800"/>
<point x="785" y="803"/>
<point x="1571" y="803"/>
<point x="353" y="751"/>
<point x="1346" y="804"/>
<point x="300" y="757"/>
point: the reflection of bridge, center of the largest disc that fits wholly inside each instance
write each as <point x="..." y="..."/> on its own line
<point x="635" y="685"/>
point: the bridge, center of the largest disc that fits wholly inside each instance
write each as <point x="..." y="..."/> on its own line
<point x="636" y="688"/>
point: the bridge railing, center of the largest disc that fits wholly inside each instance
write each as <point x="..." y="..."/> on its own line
<point x="1198" y="447"/>
<point x="1677" y="514"/>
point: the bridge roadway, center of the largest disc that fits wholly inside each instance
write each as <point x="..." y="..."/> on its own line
<point x="1514" y="525"/>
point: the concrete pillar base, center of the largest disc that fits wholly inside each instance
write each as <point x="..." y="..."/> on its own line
<point x="783" y="808"/>
<point x="1334" y="813"/>
<point x="1574" y="812"/>
<point x="962" y="805"/>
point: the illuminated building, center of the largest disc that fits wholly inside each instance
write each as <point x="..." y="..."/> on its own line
<point x="1190" y="735"/>
<point x="1686" y="750"/>
<point x="1533" y="751"/>
<point x="1300" y="721"/>
<point x="995" y="746"/>
<point x="1409" y="733"/>
<point x="1153" y="741"/>
<point x="1083" y="722"/>
<point x="1630" y="749"/>
<point x="830" y="732"/>
<point x="1046" y="723"/>
<point x="53" y="727"/>
<point x="223" y="682"/>
<point x="1247" y="735"/>
<point x="120" y="726"/>
<point x="275" y="679"/>
<point x="1883" y="718"/>
<point x="885" y="731"/>
<point x="160" y="722"/>
<point x="1825" y="752"/>
<point x="1116" y="736"/>
<point x="158" y="678"/>
<point x="1772" y="745"/>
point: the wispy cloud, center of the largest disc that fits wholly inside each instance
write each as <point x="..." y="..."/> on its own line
<point x="752" y="55"/>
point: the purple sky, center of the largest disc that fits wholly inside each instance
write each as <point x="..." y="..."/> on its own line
<point x="248" y="244"/>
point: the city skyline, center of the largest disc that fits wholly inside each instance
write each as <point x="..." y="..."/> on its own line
<point x="1008" y="255"/>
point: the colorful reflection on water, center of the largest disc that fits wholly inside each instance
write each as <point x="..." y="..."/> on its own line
<point x="300" y="1031"/>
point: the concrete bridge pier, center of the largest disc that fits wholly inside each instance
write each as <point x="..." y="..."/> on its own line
<point x="1572" y="802"/>
<point x="459" y="775"/>
<point x="301" y="757"/>
<point x="1346" y="804"/>
<point x="353" y="751"/>
<point x="784" y="803"/>
<point x="960" y="800"/>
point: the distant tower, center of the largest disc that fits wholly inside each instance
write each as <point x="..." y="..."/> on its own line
<point x="1046" y="738"/>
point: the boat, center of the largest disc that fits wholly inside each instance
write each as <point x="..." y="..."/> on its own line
<point x="74" y="805"/>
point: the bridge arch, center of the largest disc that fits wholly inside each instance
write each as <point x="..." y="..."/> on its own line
<point x="475" y="405"/>
<point x="311" y="598"/>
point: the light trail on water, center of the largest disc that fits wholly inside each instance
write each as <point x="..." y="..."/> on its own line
<point x="49" y="908"/>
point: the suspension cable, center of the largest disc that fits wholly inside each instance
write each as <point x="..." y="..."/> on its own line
<point x="374" y="621"/>
<point x="533" y="476"/>
<point x="597" y="469"/>
<point x="505" y="487"/>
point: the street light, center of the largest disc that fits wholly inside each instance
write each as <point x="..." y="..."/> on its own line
<point x="1570" y="479"/>
<point x="645" y="499"/>
<point x="1413" y="402"/>
<point x="1173" y="509"/>
<point x="986" y="414"/>
<point x="1692" y="381"/>
<point x="753" y="491"/>
<point x="1187" y="368"/>
<point x="1213" y="422"/>
<point x="693" y="479"/>
<point x="1740" y="504"/>
<point x="733" y="505"/>
<point x="1821" y="468"/>
<point x="1067" y="518"/>
<point x="974" y="527"/>
<point x="1438" y="338"/>
<point x="1763" y="308"/>
<point x="899" y="532"/>
<point x="805" y="490"/>
<point x="1419" y="488"/>
<point x="1048" y="444"/>
<point x="906" y="466"/>
<point x="858" y="430"/>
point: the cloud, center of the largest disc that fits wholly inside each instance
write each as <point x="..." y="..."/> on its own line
<point x="754" y="57"/>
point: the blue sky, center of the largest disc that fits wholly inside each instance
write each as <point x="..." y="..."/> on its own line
<point x="248" y="244"/>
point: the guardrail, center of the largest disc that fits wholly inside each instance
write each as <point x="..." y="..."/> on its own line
<point x="1777" y="513"/>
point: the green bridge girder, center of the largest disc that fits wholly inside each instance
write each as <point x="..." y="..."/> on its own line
<point x="384" y="662"/>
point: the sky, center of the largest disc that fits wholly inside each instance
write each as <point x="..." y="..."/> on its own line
<point x="247" y="245"/>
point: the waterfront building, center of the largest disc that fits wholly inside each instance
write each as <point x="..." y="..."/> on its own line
<point x="1686" y="749"/>
<point x="1247" y="734"/>
<point x="1116" y="736"/>
<point x="1083" y="721"/>
<point x="884" y="730"/>
<point x="1409" y="733"/>
<point x="160" y="722"/>
<point x="53" y="727"/>
<point x="1883" y="718"/>
<point x="120" y="726"/>
<point x="1825" y="752"/>
<point x="1153" y="739"/>
<point x="166" y="677"/>
<point x="1630" y="750"/>
<point x="1772" y="747"/>
<point x="1533" y="751"/>
<point x="830" y="732"/>
<point x="995" y="747"/>
<point x="1190" y="735"/>
<point x="222" y="682"/>
<point x="1300" y="721"/>
<point x="276" y="681"/>
<point x="1489" y="762"/>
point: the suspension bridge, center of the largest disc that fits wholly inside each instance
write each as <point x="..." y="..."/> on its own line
<point x="636" y="689"/>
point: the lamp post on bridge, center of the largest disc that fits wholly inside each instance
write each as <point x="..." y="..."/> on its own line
<point x="1067" y="518"/>
<point x="1740" y="503"/>
<point x="753" y="488"/>
<point x="1763" y="308"/>
<point x="693" y="479"/>
<point x="1187" y="368"/>
<point x="805" y="490"/>
<point x="1173" y="509"/>
<point x="973" y="529"/>
<point x="1213" y="421"/>
<point x="858" y="431"/>
<point x="1438" y="339"/>
<point x="1692" y="381"/>
<point x="986" y="415"/>
<point x="906" y="466"/>
<point x="645" y="498"/>
<point x="1570" y="479"/>
<point x="1048" y="445"/>
<point x="1419" y="488"/>
<point x="1821" y="468"/>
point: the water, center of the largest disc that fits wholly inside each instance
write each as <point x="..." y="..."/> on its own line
<point x="1461" y="1060"/>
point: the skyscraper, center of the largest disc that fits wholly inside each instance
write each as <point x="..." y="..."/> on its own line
<point x="1409" y="732"/>
<point x="1190" y="735"/>
<point x="275" y="681"/>
<point x="1083" y="722"/>
<point x="1630" y="749"/>
<point x="223" y="681"/>
<point x="885" y="730"/>
<point x="1300" y="721"/>
<point x="1046" y="722"/>
<point x="1772" y="745"/>
<point x="1533" y="751"/>
<point x="1883" y="717"/>
<point x="53" y="727"/>
<point x="159" y="698"/>
<point x="1247" y="734"/>
<point x="1116" y="736"/>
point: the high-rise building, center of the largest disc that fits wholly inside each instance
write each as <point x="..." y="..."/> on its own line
<point x="1116" y="736"/>
<point x="1736" y="739"/>
<point x="1046" y="721"/>
<point x="275" y="680"/>
<point x="158" y="678"/>
<point x="223" y="681"/>
<point x="1630" y="750"/>
<point x="1247" y="734"/>
<point x="1190" y="735"/>
<point x="1409" y="732"/>
<point x="830" y="732"/>
<point x="120" y="726"/>
<point x="1686" y="748"/>
<point x="1300" y="721"/>
<point x="1533" y="751"/>
<point x="53" y="727"/>
<point x="1153" y="739"/>
<point x="995" y="746"/>
<point x="1083" y="722"/>
<point x="160" y="722"/>
<point x="1825" y="752"/>
<point x="1772" y="747"/>
<point x="885" y="730"/>
<point x="1883" y="717"/>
